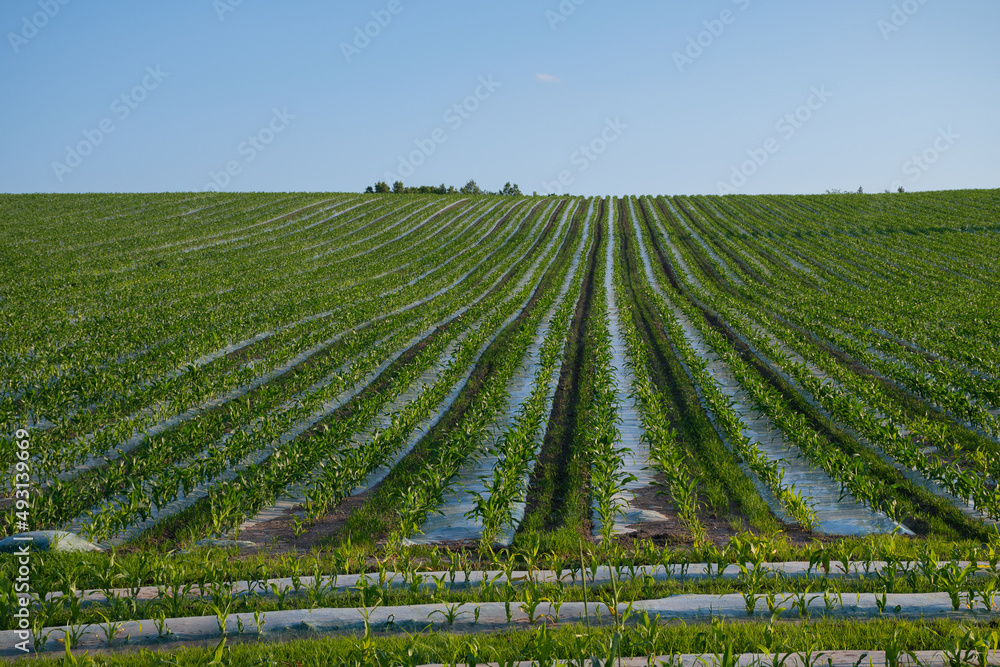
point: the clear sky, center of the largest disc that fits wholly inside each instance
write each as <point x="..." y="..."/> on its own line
<point x="632" y="96"/>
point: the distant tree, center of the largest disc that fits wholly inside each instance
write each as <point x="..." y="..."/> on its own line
<point x="369" y="190"/>
<point x="471" y="188"/>
<point x="398" y="187"/>
<point x="901" y="190"/>
<point x="511" y="190"/>
<point x="861" y="191"/>
<point x="382" y="188"/>
<point x="452" y="190"/>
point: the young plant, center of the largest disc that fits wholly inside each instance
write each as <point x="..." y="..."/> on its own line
<point x="162" y="629"/>
<point x="450" y="614"/>
<point x="221" y="612"/>
<point x="802" y="602"/>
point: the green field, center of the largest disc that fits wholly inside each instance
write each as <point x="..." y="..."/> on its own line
<point x="245" y="400"/>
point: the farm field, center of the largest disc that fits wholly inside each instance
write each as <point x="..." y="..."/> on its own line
<point x="411" y="430"/>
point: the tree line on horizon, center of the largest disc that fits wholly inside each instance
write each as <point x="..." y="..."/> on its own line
<point x="470" y="188"/>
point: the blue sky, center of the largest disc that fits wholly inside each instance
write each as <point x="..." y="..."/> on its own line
<point x="579" y="96"/>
